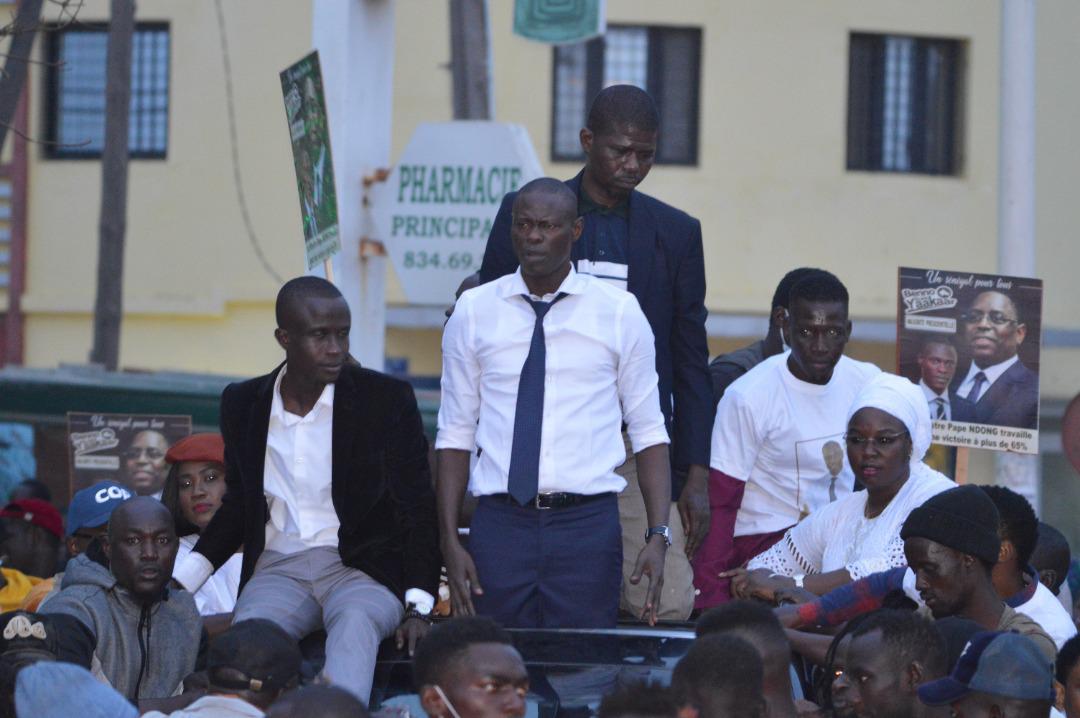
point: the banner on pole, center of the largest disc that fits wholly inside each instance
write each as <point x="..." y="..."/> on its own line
<point x="971" y="343"/>
<point x="305" y="108"/>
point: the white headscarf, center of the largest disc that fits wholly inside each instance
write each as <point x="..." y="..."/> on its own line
<point x="903" y="400"/>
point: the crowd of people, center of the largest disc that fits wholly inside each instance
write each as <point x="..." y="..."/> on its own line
<point x="590" y="464"/>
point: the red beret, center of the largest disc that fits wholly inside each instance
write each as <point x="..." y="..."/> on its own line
<point x="37" y="512"/>
<point x="197" y="447"/>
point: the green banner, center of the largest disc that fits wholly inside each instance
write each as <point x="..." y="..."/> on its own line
<point x="559" y="21"/>
<point x="305" y="108"/>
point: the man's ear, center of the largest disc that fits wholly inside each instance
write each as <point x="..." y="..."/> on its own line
<point x="432" y="702"/>
<point x="1021" y="333"/>
<point x="913" y="676"/>
<point x="586" y="138"/>
<point x="579" y="227"/>
<point x="778" y="317"/>
<point x="1007" y="552"/>
<point x="1059" y="697"/>
<point x="282" y="337"/>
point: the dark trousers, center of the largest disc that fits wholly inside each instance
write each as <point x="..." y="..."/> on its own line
<point x="555" y="568"/>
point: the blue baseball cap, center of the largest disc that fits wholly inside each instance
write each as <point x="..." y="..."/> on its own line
<point x="998" y="663"/>
<point x="92" y="507"/>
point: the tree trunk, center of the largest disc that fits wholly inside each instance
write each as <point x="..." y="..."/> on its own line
<point x="27" y="19"/>
<point x="108" y="308"/>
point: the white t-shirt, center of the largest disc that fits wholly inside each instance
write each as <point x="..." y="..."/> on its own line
<point x="218" y="594"/>
<point x="785" y="438"/>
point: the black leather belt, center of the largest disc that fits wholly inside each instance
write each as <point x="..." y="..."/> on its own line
<point x="552" y="500"/>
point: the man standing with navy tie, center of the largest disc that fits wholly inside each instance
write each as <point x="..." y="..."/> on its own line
<point x="654" y="251"/>
<point x="541" y="368"/>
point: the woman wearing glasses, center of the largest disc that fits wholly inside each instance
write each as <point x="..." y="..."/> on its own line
<point x="888" y="433"/>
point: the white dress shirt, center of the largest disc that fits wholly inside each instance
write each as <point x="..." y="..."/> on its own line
<point x="297" y="477"/>
<point x="600" y="372"/>
<point x="992" y="373"/>
<point x="932" y="400"/>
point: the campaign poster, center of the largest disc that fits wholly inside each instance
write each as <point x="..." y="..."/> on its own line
<point x="305" y="109"/>
<point x="971" y="342"/>
<point x="128" y="448"/>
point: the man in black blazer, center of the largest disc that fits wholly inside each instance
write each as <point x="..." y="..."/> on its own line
<point x="329" y="493"/>
<point x="654" y="251"/>
<point x="997" y="385"/>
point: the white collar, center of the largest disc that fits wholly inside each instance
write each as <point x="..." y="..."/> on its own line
<point x="514" y="286"/>
<point x="992" y="372"/>
<point x="932" y="395"/>
<point x="277" y="405"/>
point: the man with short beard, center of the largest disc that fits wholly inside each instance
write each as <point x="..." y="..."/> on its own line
<point x="146" y="636"/>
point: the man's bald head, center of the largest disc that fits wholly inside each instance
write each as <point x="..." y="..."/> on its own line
<point x="296" y="291"/>
<point x="318" y="702"/>
<point x="553" y="189"/>
<point x="141" y="545"/>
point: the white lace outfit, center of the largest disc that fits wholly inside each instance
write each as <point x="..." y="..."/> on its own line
<point x="839" y="535"/>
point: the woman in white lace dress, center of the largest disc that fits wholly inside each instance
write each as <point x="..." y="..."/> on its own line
<point x="887" y="437"/>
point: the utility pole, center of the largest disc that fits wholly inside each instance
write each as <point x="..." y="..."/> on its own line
<point x="355" y="40"/>
<point x="470" y="59"/>
<point x="1016" y="191"/>
<point x="109" y="305"/>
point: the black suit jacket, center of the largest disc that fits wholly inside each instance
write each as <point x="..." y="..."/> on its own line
<point x="380" y="486"/>
<point x="1012" y="400"/>
<point x="666" y="272"/>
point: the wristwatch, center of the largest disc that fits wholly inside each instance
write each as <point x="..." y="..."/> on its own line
<point x="663" y="530"/>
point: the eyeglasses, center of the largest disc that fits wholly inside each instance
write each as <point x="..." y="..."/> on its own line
<point x="151" y="453"/>
<point x="881" y="441"/>
<point x="998" y="319"/>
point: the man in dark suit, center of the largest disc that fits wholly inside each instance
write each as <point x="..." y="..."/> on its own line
<point x="329" y="493"/>
<point x="1001" y="390"/>
<point x="654" y="251"/>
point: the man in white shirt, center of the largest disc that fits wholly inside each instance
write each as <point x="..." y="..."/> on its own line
<point x="328" y="491"/>
<point x="772" y="433"/>
<point x="1001" y="389"/>
<point x="540" y="370"/>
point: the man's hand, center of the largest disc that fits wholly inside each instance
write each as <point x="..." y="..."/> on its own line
<point x="694" y="507"/>
<point x="461" y="575"/>
<point x="759" y="584"/>
<point x="650" y="562"/>
<point x="411" y="630"/>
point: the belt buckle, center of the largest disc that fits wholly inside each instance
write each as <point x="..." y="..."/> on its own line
<point x="539" y="507"/>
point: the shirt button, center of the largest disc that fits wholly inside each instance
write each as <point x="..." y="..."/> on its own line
<point x="299" y="459"/>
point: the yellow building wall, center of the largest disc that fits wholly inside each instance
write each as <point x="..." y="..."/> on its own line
<point x="770" y="188"/>
<point x="191" y="276"/>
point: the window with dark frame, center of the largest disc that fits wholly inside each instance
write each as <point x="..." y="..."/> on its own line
<point x="665" y="61"/>
<point x="75" y="92"/>
<point x="904" y="106"/>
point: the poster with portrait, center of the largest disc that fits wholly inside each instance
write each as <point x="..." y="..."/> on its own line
<point x="128" y="448"/>
<point x="305" y="109"/>
<point x="971" y="342"/>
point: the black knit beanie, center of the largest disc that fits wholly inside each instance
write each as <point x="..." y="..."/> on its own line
<point x="963" y="518"/>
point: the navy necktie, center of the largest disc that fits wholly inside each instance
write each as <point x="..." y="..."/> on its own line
<point x="940" y="411"/>
<point x="976" y="387"/>
<point x="529" y="415"/>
